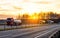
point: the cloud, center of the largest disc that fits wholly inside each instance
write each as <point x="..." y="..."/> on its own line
<point x="43" y="2"/>
<point x="17" y="5"/>
<point x="13" y="7"/>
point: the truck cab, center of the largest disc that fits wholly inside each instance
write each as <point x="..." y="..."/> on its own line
<point x="10" y="21"/>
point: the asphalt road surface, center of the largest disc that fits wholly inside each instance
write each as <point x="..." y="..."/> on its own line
<point x="35" y="32"/>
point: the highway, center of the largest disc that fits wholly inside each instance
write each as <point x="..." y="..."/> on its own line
<point x="35" y="32"/>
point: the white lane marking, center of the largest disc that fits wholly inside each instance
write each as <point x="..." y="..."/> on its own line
<point x="45" y="33"/>
<point x="17" y="35"/>
<point x="13" y="32"/>
<point x="21" y="34"/>
<point x="53" y="34"/>
<point x="30" y="32"/>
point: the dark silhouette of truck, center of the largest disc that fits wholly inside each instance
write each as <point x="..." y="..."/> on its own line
<point x="56" y="20"/>
<point x="12" y="22"/>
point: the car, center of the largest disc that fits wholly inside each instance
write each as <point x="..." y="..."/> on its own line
<point x="49" y="21"/>
<point x="42" y="21"/>
<point x="17" y="22"/>
<point x="56" y="21"/>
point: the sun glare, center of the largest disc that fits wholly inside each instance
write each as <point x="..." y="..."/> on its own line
<point x="30" y="7"/>
<point x="33" y="17"/>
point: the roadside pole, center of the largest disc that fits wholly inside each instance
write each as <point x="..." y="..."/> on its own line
<point x="4" y="27"/>
<point x="11" y="26"/>
<point x="16" y="26"/>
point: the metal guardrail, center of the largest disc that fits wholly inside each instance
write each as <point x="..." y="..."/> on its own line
<point x="55" y="35"/>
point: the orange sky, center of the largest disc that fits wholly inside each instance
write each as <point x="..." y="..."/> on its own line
<point x="14" y="7"/>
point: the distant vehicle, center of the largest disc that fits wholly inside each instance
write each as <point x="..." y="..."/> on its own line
<point x="56" y="20"/>
<point x="42" y="21"/>
<point x="11" y="21"/>
<point x="49" y="21"/>
<point x="17" y="22"/>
